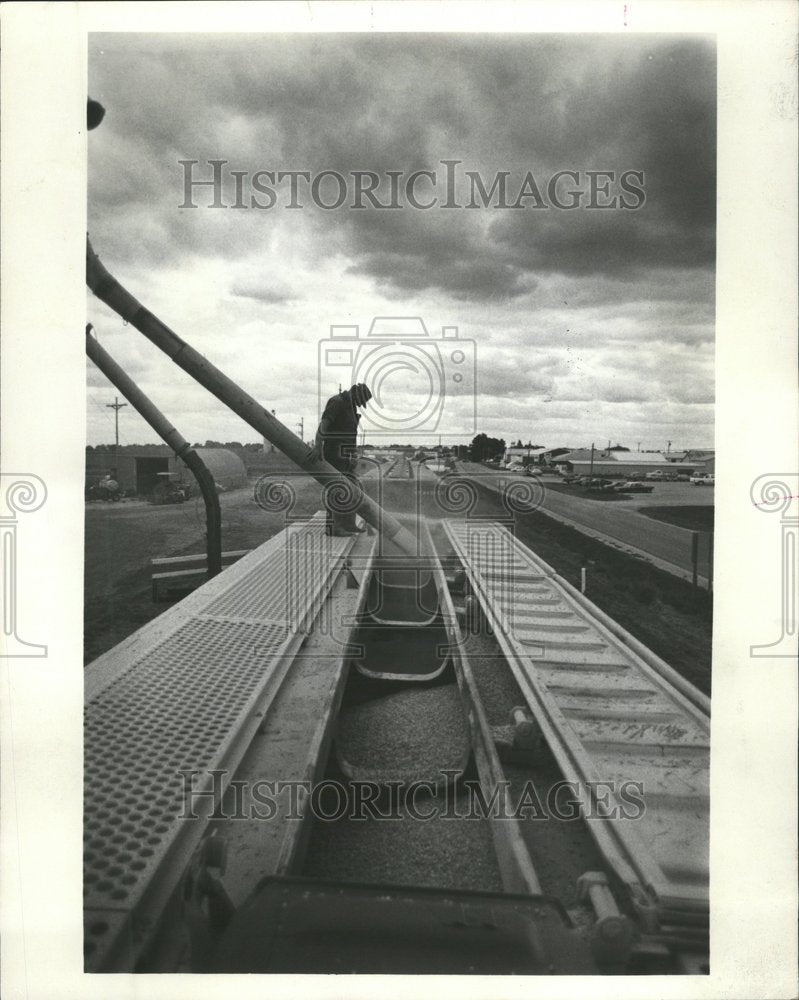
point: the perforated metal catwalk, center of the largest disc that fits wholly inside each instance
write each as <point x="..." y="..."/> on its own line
<point x="611" y="712"/>
<point x="183" y="695"/>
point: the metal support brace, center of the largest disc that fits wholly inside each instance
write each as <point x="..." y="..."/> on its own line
<point x="612" y="934"/>
<point x="207" y="905"/>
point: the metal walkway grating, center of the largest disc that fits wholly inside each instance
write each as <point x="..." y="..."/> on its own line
<point x="277" y="590"/>
<point x="174" y="709"/>
<point x="176" y="696"/>
<point x="609" y="714"/>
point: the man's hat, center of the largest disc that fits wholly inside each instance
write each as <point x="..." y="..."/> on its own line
<point x="360" y="394"/>
<point x="95" y="113"/>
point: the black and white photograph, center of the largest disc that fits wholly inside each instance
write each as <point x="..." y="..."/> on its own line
<point x="474" y="276"/>
<point x="405" y="358"/>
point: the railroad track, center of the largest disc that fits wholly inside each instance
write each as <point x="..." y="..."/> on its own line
<point x="611" y="712"/>
<point x="250" y="674"/>
<point x="401" y="468"/>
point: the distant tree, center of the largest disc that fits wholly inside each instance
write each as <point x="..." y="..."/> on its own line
<point x="213" y="444"/>
<point x="484" y="447"/>
<point x="618" y="447"/>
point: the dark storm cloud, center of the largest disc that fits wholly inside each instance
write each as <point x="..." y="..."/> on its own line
<point x="463" y="279"/>
<point x="604" y="315"/>
<point x="399" y="102"/>
<point x="583" y="243"/>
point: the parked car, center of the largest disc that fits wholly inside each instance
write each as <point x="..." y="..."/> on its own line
<point x="703" y="479"/>
<point x="657" y="476"/>
<point x="532" y="471"/>
<point x="599" y="485"/>
<point x="632" y="487"/>
<point x="683" y="477"/>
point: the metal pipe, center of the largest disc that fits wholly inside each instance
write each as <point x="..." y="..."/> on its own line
<point x="181" y="447"/>
<point x="109" y="290"/>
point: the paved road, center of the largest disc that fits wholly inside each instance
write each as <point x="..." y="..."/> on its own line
<point x="620" y="521"/>
<point x="669" y="495"/>
<point x="123" y="537"/>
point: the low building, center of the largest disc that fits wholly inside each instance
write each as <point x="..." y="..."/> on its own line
<point x="522" y="456"/>
<point x="701" y="460"/>
<point x="616" y="464"/>
<point x="225" y="466"/>
<point x="550" y="455"/>
<point x="140" y="468"/>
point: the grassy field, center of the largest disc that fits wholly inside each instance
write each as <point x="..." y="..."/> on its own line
<point x="695" y="518"/>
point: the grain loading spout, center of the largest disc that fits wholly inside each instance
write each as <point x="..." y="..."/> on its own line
<point x="106" y="287"/>
<point x="171" y="437"/>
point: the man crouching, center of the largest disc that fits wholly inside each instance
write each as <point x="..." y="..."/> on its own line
<point x="335" y="442"/>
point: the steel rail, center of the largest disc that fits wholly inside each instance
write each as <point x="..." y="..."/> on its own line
<point x="515" y="865"/>
<point x="569" y="669"/>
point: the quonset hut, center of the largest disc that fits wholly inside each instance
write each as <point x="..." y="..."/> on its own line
<point x="225" y="466"/>
<point x="140" y="468"/>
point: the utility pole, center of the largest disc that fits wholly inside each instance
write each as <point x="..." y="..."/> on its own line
<point x="668" y="447"/>
<point x="116" y="406"/>
<point x="639" y="445"/>
<point x="301" y="426"/>
<point x="591" y="470"/>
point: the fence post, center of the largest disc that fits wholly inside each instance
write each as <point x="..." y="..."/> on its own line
<point x="710" y="540"/>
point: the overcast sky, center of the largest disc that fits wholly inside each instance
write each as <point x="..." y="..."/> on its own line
<point x="577" y="325"/>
